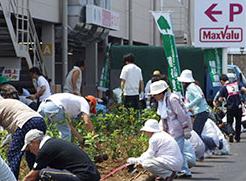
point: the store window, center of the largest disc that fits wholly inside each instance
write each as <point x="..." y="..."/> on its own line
<point x="103" y="3"/>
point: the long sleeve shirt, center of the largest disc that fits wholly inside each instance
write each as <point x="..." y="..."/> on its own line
<point x="177" y="116"/>
<point x="165" y="149"/>
<point x="196" y="99"/>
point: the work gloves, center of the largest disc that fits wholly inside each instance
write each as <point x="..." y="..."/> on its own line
<point x="146" y="155"/>
<point x="132" y="160"/>
<point x="141" y="96"/>
<point x="187" y="134"/>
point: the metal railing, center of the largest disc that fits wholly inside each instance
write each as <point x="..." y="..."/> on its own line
<point x="26" y="35"/>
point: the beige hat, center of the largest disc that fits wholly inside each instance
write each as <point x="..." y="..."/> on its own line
<point x="186" y="76"/>
<point x="151" y="125"/>
<point x="31" y="135"/>
<point x="158" y="87"/>
<point x="156" y="72"/>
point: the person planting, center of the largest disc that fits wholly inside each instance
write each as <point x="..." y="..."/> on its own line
<point x="62" y="107"/>
<point x="163" y="157"/>
<point x="17" y="118"/>
<point x="58" y="160"/>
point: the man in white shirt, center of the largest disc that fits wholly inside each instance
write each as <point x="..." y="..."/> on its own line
<point x="163" y="157"/>
<point x="156" y="74"/>
<point x="150" y="100"/>
<point x="131" y="77"/>
<point x="63" y="106"/>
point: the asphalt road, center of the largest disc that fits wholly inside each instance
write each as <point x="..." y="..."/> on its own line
<point x="230" y="167"/>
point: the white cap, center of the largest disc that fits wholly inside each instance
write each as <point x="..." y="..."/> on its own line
<point x="31" y="135"/>
<point x="158" y="87"/>
<point x="186" y="76"/>
<point x="151" y="125"/>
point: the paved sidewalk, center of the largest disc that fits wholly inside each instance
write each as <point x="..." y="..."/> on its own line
<point x="230" y="167"/>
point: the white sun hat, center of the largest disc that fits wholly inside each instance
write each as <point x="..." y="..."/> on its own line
<point x="158" y="87"/>
<point x="186" y="76"/>
<point x="151" y="125"/>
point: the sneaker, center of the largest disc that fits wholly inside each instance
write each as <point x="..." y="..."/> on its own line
<point x="184" y="176"/>
<point x="216" y="151"/>
<point x="231" y="137"/>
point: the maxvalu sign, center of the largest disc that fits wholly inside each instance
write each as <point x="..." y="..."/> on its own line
<point x="220" y="23"/>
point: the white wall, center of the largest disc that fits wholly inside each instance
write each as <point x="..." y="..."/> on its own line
<point x="142" y="19"/>
<point x="121" y="7"/>
<point x="47" y="10"/>
<point x="141" y="23"/>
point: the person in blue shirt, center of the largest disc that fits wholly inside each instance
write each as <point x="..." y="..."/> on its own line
<point x="101" y="106"/>
<point x="195" y="100"/>
<point x="5" y="172"/>
<point x="231" y="91"/>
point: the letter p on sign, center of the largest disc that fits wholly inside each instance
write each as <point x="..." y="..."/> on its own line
<point x="234" y="10"/>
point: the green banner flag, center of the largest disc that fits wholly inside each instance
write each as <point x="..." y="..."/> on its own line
<point x="214" y="62"/>
<point x="104" y="78"/>
<point x="164" y="24"/>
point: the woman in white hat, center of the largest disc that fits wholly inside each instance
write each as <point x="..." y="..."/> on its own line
<point x="196" y="101"/>
<point x="163" y="157"/>
<point x="175" y="119"/>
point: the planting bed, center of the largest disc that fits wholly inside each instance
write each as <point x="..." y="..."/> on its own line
<point x="122" y="175"/>
<point x="118" y="136"/>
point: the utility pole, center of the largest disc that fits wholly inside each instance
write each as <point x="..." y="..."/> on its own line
<point x="130" y="21"/>
<point x="64" y="40"/>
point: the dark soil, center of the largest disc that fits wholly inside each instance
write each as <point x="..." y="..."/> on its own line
<point x="122" y="175"/>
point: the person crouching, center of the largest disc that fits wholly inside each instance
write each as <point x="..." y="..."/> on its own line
<point x="163" y="157"/>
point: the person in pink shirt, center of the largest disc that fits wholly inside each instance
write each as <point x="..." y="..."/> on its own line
<point x="175" y="119"/>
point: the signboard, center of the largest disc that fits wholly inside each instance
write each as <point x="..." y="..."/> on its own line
<point x="220" y="23"/>
<point x="104" y="79"/>
<point x="102" y="17"/>
<point x="12" y="74"/>
<point x="214" y="62"/>
<point x="164" y="24"/>
<point x="47" y="49"/>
